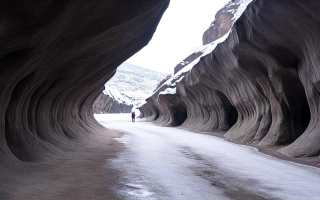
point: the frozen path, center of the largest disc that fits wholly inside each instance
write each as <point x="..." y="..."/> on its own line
<point x="171" y="163"/>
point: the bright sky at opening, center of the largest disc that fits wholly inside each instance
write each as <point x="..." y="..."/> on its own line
<point x="178" y="34"/>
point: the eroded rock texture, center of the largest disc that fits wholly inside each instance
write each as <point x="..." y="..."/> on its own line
<point x="55" y="58"/>
<point x="261" y="84"/>
<point x="106" y="104"/>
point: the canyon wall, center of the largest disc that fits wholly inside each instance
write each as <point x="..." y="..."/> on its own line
<point x="105" y="104"/>
<point x="257" y="78"/>
<point x="55" y="58"/>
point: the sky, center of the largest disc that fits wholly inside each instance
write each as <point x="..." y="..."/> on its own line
<point x="178" y="34"/>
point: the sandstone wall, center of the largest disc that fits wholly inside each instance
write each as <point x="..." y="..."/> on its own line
<point x="261" y="85"/>
<point x="55" y="58"/>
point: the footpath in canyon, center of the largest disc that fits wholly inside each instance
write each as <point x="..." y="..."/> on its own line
<point x="172" y="163"/>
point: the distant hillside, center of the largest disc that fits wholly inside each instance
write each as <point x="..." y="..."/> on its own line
<point x="134" y="83"/>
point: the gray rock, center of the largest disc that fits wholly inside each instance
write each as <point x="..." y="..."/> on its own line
<point x="261" y="84"/>
<point x="55" y="58"/>
<point x="105" y="104"/>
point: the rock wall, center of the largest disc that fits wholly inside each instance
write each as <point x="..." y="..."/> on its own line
<point x="106" y="104"/>
<point x="55" y="58"/>
<point x="261" y="85"/>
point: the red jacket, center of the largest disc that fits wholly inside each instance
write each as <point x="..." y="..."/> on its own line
<point x="133" y="115"/>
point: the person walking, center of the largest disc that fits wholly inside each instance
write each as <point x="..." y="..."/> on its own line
<point x="133" y="116"/>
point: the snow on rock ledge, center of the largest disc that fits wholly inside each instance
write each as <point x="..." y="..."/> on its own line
<point x="111" y="101"/>
<point x="261" y="84"/>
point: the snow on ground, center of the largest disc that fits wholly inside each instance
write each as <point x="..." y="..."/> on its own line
<point x="171" y="163"/>
<point x="113" y="117"/>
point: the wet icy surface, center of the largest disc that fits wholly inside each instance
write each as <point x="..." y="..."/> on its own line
<point x="171" y="163"/>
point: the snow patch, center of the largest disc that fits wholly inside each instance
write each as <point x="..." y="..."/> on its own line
<point x="116" y="95"/>
<point x="169" y="91"/>
<point x="205" y="49"/>
<point x="132" y="84"/>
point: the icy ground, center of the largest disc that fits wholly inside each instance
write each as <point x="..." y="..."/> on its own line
<point x="171" y="163"/>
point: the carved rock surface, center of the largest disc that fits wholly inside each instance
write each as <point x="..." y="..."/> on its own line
<point x="261" y="84"/>
<point x="55" y="58"/>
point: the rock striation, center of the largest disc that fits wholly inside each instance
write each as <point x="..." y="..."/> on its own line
<point x="257" y="78"/>
<point x="55" y="58"/>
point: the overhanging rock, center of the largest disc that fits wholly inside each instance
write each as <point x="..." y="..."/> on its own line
<point x="259" y="80"/>
<point x="55" y="58"/>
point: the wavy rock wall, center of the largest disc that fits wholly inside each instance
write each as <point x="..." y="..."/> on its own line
<point x="55" y="58"/>
<point x="261" y="84"/>
<point x="106" y="104"/>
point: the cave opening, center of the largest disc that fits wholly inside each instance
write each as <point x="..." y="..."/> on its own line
<point x="231" y="111"/>
<point x="232" y="115"/>
<point x="156" y="113"/>
<point x="305" y="117"/>
<point x="179" y="115"/>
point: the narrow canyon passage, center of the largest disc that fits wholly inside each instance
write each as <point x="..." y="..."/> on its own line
<point x="172" y="163"/>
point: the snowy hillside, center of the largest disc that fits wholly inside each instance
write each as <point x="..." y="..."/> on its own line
<point x="132" y="84"/>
